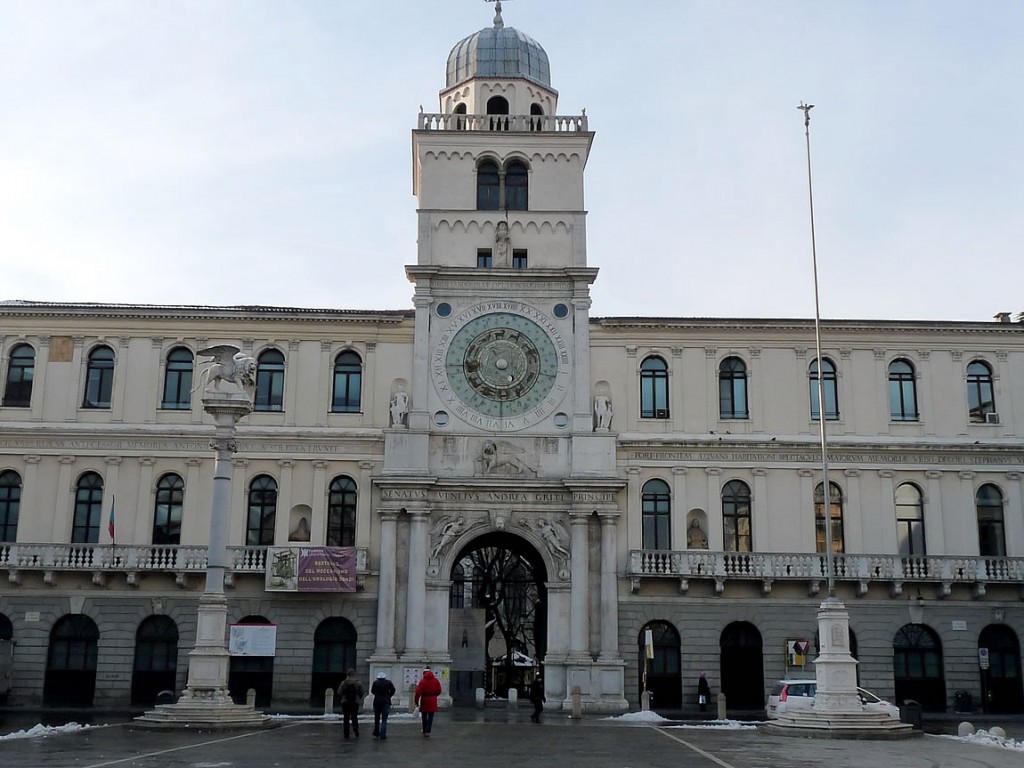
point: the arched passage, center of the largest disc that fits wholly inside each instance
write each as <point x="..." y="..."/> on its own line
<point x="71" y="662"/>
<point x="256" y="672"/>
<point x="664" y="676"/>
<point x="156" y="659"/>
<point x="742" y="666"/>
<point x="917" y="667"/>
<point x="1001" y="682"/>
<point x="334" y="652"/>
<point x="6" y="656"/>
<point x="497" y="616"/>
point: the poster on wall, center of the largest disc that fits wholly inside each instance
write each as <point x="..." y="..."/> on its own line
<point x="252" y="639"/>
<point x="311" y="569"/>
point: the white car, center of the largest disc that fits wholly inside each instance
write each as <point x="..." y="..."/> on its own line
<point x="788" y="695"/>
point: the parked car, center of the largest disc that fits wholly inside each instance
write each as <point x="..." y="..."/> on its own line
<point x="787" y="695"/>
<point x="790" y="694"/>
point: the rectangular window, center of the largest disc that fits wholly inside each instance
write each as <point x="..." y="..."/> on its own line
<point x="484" y="258"/>
<point x="519" y="256"/>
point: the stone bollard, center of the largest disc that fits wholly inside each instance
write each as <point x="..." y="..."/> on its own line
<point x="964" y="729"/>
<point x="577" y="702"/>
<point x="513" y="698"/>
<point x="329" y="701"/>
<point x="645" y="701"/>
<point x="721" y="707"/>
<point x="250" y="698"/>
<point x="481" y="698"/>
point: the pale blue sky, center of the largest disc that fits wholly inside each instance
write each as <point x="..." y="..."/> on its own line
<point x="258" y="152"/>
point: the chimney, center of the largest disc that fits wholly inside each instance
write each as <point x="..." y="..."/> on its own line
<point x="1002" y="317"/>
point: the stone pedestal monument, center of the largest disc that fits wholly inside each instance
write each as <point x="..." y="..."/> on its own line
<point x="206" y="702"/>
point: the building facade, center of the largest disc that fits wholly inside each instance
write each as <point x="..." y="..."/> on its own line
<point x="623" y="503"/>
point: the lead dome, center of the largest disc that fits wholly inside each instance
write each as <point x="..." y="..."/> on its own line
<point x="498" y="51"/>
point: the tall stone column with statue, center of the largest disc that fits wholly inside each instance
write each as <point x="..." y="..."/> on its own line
<point x="228" y="385"/>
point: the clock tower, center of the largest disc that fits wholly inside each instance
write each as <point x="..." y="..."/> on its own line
<point x="501" y="436"/>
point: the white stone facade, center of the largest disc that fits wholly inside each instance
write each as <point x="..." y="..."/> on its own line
<point x="568" y="474"/>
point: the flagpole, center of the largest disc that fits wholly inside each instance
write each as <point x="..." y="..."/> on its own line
<point x="826" y="489"/>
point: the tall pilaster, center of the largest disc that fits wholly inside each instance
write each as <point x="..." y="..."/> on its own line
<point x="579" y="614"/>
<point x="415" y="614"/>
<point x="386" y="584"/>
<point x="609" y="587"/>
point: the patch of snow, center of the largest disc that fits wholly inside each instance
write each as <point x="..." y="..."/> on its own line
<point x="639" y="717"/>
<point x="990" y="740"/>
<point x="37" y="731"/>
<point x="734" y="725"/>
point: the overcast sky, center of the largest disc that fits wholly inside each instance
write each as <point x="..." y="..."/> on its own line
<point x="258" y="151"/>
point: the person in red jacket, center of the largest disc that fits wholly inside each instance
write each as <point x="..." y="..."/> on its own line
<point x="427" y="691"/>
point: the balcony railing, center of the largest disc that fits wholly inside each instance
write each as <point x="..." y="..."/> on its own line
<point x="503" y="123"/>
<point x="102" y="560"/>
<point x="896" y="570"/>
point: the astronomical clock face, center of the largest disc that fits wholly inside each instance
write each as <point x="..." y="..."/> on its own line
<point x="505" y="369"/>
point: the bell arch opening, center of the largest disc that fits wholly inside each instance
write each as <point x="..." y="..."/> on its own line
<point x="497" y="611"/>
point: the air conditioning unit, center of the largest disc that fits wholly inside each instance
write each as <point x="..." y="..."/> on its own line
<point x="991" y="418"/>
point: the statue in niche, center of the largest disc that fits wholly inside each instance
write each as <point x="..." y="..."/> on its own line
<point x="399" y="408"/>
<point x="501" y="245"/>
<point x="695" y="536"/>
<point x="447" y="529"/>
<point x="301" y="530"/>
<point x="501" y="459"/>
<point x="603" y="412"/>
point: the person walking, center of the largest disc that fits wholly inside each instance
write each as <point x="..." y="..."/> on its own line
<point x="537" y="697"/>
<point x="703" y="692"/>
<point x="425" y="697"/>
<point x="351" y="694"/>
<point x="382" y="690"/>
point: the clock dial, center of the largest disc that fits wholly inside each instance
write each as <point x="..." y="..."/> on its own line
<point x="502" y="370"/>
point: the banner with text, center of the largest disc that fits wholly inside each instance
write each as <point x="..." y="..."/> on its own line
<point x="311" y="569"/>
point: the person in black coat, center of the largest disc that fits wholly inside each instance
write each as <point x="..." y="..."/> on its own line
<point x="382" y="690"/>
<point x="537" y="697"/>
<point x="703" y="692"/>
<point x="351" y="694"/>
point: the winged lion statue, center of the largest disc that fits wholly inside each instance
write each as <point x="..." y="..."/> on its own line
<point x="229" y="364"/>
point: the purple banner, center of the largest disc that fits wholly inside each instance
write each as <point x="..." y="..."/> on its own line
<point x="326" y="569"/>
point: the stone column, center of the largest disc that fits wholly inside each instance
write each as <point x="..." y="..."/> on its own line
<point x="419" y="417"/>
<point x="609" y="587"/>
<point x="716" y="535"/>
<point x="386" y="584"/>
<point x="283" y="522"/>
<point x="415" y="614"/>
<point x="579" y="570"/>
<point x="318" y="504"/>
<point x="140" y="535"/>
<point x="110" y="484"/>
<point x="933" y="499"/>
<point x="680" y="508"/>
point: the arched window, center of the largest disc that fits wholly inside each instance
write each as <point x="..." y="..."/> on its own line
<point x="21" y="367"/>
<point x="536" y="117"/>
<point x="99" y="378"/>
<point x="88" y="509"/>
<point x="732" y="389"/>
<point x="252" y="672"/>
<point x="830" y="384"/>
<point x="170" y="499"/>
<point x="910" y="520"/>
<point x="156" y="659"/>
<point x="917" y="667"/>
<point x="259" y="527"/>
<point x="10" y="504"/>
<point x="517" y="181"/>
<point x="71" y="662"/>
<point x="497" y="105"/>
<point x="348" y="383"/>
<point x="334" y="652"/>
<point x="835" y="513"/>
<point x="341" y="513"/>
<point x="981" y="398"/>
<point x="178" y="380"/>
<point x="991" y="535"/>
<point x="902" y="391"/>
<point x="653" y="389"/>
<point x="269" y="381"/>
<point x="736" y="516"/>
<point x="488" y="187"/>
<point x="656" y="505"/>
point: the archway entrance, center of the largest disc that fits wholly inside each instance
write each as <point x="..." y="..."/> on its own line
<point x="664" y="678"/>
<point x="742" y="666"/>
<point x="497" y="617"/>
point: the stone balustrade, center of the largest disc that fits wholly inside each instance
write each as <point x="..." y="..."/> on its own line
<point x="895" y="570"/>
<point x="503" y="123"/>
<point x="131" y="558"/>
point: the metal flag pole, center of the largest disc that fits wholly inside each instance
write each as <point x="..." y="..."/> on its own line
<point x="826" y="488"/>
